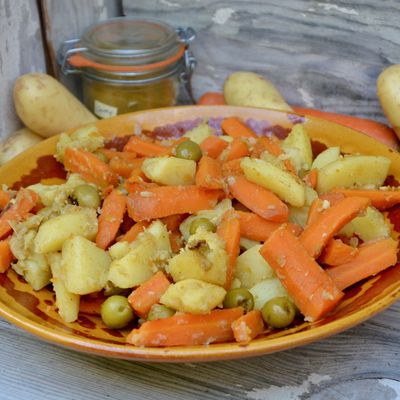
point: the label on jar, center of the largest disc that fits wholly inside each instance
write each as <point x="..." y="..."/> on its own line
<point x="104" y="110"/>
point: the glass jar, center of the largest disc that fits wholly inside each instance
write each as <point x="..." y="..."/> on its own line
<point x="129" y="64"/>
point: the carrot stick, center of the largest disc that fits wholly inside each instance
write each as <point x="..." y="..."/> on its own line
<point x="248" y="326"/>
<point x="121" y="167"/>
<point x="370" y="259"/>
<point x="311" y="288"/>
<point x="233" y="127"/>
<point x="213" y="146"/>
<point x="258" y="199"/>
<point x="229" y="231"/>
<point x="232" y="168"/>
<point x="266" y="144"/>
<point x="187" y="329"/>
<point x="311" y="179"/>
<point x="6" y="256"/>
<point x="172" y="222"/>
<point x="369" y="127"/>
<point x="209" y="173"/>
<point x="318" y="233"/>
<point x="89" y="166"/>
<point x="158" y="202"/>
<point x="175" y="239"/>
<point x="110" y="219"/>
<point x="134" y="231"/>
<point x="5" y="198"/>
<point x="336" y="252"/>
<point x="148" y="293"/>
<point x="381" y="199"/>
<point x="124" y="155"/>
<point x="144" y="148"/>
<point x="236" y="149"/>
<point x="25" y="201"/>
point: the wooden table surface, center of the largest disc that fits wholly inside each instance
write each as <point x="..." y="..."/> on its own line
<point x="320" y="54"/>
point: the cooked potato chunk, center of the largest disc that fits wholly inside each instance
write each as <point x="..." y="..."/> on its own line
<point x="171" y="171"/>
<point x="251" y="267"/>
<point x="204" y="258"/>
<point x="119" y="250"/>
<point x="327" y="156"/>
<point x="298" y="146"/>
<point x="367" y="227"/>
<point x="299" y="215"/>
<point x="35" y="270"/>
<point x="267" y="290"/>
<point x="149" y="252"/>
<point x="284" y="184"/>
<point x="247" y="244"/>
<point x="193" y="296"/>
<point x="85" y="266"/>
<point x="198" y="134"/>
<point x="353" y="171"/>
<point x="66" y="302"/>
<point x="55" y="231"/>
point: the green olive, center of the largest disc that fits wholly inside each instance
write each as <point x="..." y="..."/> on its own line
<point x="278" y="312"/>
<point x="239" y="297"/>
<point x="201" y="223"/>
<point x="87" y="196"/>
<point x="101" y="156"/>
<point x="116" y="312"/>
<point x="188" y="150"/>
<point x="159" y="311"/>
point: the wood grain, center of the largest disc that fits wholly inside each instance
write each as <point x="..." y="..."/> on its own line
<point x="21" y="51"/>
<point x="319" y="54"/>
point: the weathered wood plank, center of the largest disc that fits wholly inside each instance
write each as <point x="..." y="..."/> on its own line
<point x="21" y="51"/>
<point x="318" y="53"/>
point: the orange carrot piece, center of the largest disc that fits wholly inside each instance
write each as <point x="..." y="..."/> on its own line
<point x="91" y="304"/>
<point x="232" y="168"/>
<point x="187" y="329"/>
<point x="110" y="219"/>
<point x="145" y="148"/>
<point x="311" y="179"/>
<point x="253" y="227"/>
<point x="148" y="293"/>
<point x="124" y="155"/>
<point x="248" y="326"/>
<point x="211" y="98"/>
<point x="336" y="252"/>
<point x="176" y="241"/>
<point x="381" y="199"/>
<point x="318" y="233"/>
<point x="209" y="173"/>
<point x="172" y="222"/>
<point x="233" y="127"/>
<point x="332" y="197"/>
<point x="369" y="127"/>
<point x="371" y="259"/>
<point x="162" y="201"/>
<point x="134" y="231"/>
<point x="312" y="289"/>
<point x="213" y="146"/>
<point x="236" y="149"/>
<point x="25" y="201"/>
<point x="121" y="167"/>
<point x="258" y="199"/>
<point x="6" y="256"/>
<point x="89" y="166"/>
<point x="5" y="198"/>
<point x="229" y="231"/>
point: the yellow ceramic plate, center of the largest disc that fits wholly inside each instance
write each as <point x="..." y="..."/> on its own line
<point x="36" y="313"/>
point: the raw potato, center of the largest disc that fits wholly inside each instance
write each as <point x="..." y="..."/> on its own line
<point x="193" y="296"/>
<point x="388" y="86"/>
<point x="368" y="227"/>
<point x="267" y="290"/>
<point x="298" y="146"/>
<point x="35" y="270"/>
<point x="55" y="231"/>
<point x="327" y="156"/>
<point x="84" y="266"/>
<point x="198" y="134"/>
<point x="353" y="171"/>
<point x="284" y="184"/>
<point x="16" y="143"/>
<point x="251" y="268"/>
<point x="46" y="106"/>
<point x="66" y="302"/>
<point x="204" y="258"/>
<point x="149" y="252"/>
<point x="252" y="90"/>
<point x="171" y="171"/>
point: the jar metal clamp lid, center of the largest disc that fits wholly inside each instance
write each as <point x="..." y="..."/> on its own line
<point x="130" y="50"/>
